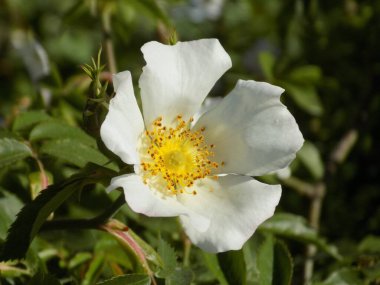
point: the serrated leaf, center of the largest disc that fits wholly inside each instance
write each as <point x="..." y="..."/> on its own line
<point x="73" y="151"/>
<point x="233" y="266"/>
<point x="168" y="257"/>
<point x="283" y="264"/>
<point x="310" y="157"/>
<point x="180" y="276"/>
<point x="12" y="150"/>
<point x="27" y="120"/>
<point x="267" y="62"/>
<point x="43" y="279"/>
<point x="30" y="219"/>
<point x="10" y="205"/>
<point x="32" y="216"/>
<point x="60" y="130"/>
<point x="305" y="96"/>
<point x="130" y="279"/>
<point x="296" y="228"/>
<point x="265" y="260"/>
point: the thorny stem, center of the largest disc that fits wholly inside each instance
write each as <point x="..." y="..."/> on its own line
<point x="92" y="223"/>
<point x="338" y="155"/>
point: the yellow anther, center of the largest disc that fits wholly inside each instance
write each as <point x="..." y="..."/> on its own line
<point x="174" y="158"/>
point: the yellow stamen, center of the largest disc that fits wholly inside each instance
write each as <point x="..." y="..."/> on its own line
<point x="173" y="158"/>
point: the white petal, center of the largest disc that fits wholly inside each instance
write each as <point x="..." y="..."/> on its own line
<point x="253" y="132"/>
<point x="176" y="79"/>
<point x="236" y="206"/>
<point x="123" y="124"/>
<point x="208" y="104"/>
<point x="146" y="201"/>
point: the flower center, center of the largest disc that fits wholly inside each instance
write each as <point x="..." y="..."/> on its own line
<point x="172" y="158"/>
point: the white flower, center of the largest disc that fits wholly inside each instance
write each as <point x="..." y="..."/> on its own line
<point x="200" y="171"/>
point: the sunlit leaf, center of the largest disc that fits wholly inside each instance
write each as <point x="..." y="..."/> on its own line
<point x="295" y="227"/>
<point x="310" y="157"/>
<point x="10" y="205"/>
<point x="73" y="151"/>
<point x="265" y="260"/>
<point x="267" y="62"/>
<point x="305" y="96"/>
<point x="12" y="150"/>
<point x="59" y="130"/>
<point x="305" y="74"/>
<point x="27" y="120"/>
<point x="169" y="259"/>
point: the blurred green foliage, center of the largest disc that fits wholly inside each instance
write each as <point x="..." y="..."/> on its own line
<point x="324" y="53"/>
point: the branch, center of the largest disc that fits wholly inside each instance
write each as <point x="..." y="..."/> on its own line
<point x="93" y="223"/>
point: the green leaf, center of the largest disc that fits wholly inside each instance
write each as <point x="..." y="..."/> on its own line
<point x="10" y="205"/>
<point x="27" y="120"/>
<point x="94" y="270"/>
<point x="267" y="62"/>
<point x="43" y="279"/>
<point x="305" y="96"/>
<point x="151" y="8"/>
<point x="180" y="276"/>
<point x="296" y="228"/>
<point x="265" y="261"/>
<point x="12" y="150"/>
<point x="345" y="276"/>
<point x="74" y="151"/>
<point x="370" y="244"/>
<point x="211" y="261"/>
<point x="305" y="74"/>
<point x="233" y="266"/>
<point x="310" y="157"/>
<point x="130" y="279"/>
<point x="59" y="130"/>
<point x="169" y="259"/>
<point x="283" y="264"/>
<point x="79" y="259"/>
<point x="30" y="219"/>
<point x="149" y="252"/>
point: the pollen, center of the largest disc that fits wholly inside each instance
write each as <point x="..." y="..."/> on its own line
<point x="173" y="158"/>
